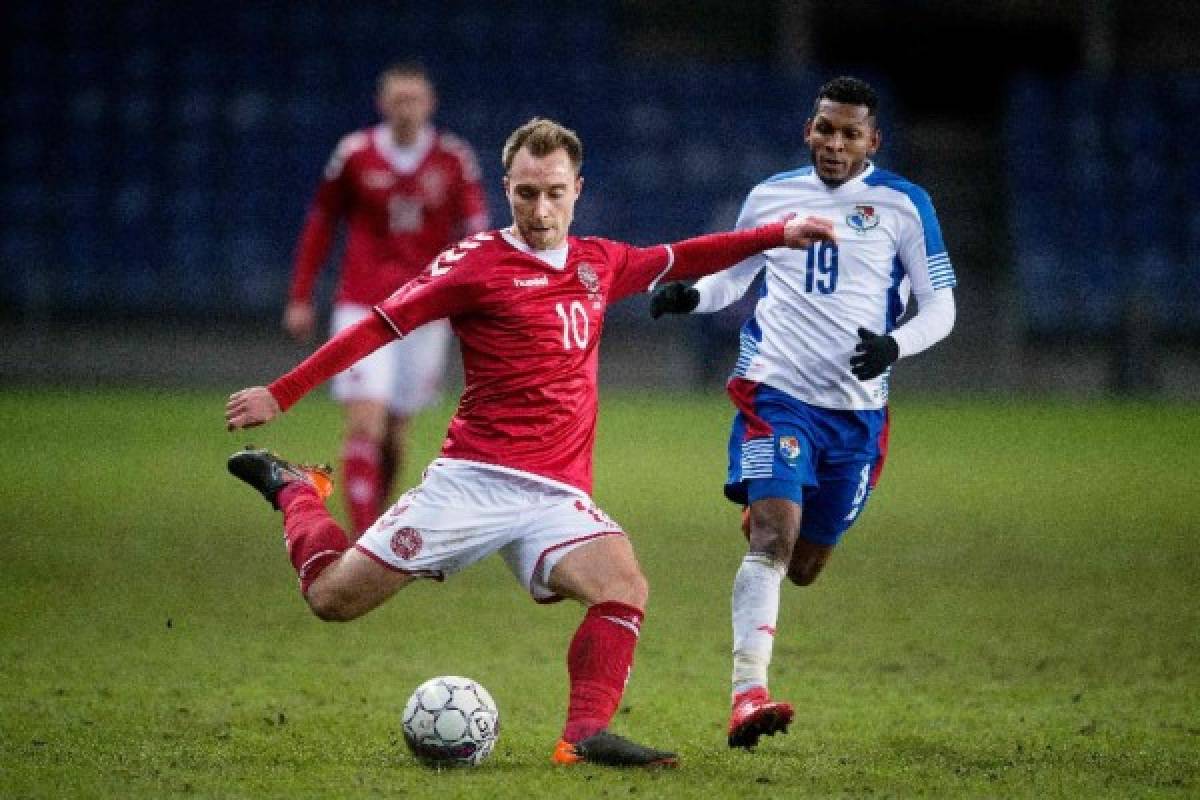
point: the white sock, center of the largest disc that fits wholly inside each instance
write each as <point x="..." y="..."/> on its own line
<point x="755" y="612"/>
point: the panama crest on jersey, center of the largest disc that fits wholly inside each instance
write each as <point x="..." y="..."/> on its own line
<point x="862" y="218"/>
<point x="789" y="448"/>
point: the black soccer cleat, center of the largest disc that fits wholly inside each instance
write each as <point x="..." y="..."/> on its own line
<point x="268" y="473"/>
<point x="609" y="750"/>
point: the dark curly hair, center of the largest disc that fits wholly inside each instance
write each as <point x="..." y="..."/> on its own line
<point x="851" y="91"/>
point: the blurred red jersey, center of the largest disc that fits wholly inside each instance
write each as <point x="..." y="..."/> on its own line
<point x="529" y="332"/>
<point x="402" y="206"/>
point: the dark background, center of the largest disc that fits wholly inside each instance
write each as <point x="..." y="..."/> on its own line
<point x="158" y="159"/>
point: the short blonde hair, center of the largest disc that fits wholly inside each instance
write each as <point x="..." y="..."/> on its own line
<point x="543" y="136"/>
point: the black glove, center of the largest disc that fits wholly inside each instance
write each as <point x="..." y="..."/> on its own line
<point x="875" y="354"/>
<point x="674" y="298"/>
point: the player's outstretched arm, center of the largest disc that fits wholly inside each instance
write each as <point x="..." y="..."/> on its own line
<point x="249" y="408"/>
<point x="713" y="252"/>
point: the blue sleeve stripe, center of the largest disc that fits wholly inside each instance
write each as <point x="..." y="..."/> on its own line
<point x="920" y="200"/>
<point x="944" y="282"/>
<point x="941" y="271"/>
<point x="895" y="305"/>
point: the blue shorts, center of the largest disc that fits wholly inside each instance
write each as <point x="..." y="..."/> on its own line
<point x="825" y="460"/>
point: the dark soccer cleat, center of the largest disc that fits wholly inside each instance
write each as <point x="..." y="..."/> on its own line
<point x="609" y="750"/>
<point x="754" y="716"/>
<point x="268" y="473"/>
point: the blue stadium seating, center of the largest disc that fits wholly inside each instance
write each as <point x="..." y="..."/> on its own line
<point x="1108" y="216"/>
<point x="158" y="158"/>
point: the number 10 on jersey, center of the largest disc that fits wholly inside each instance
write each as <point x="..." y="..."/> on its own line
<point x="574" y="324"/>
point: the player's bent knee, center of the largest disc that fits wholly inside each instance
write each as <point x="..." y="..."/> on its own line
<point x="639" y="590"/>
<point x="629" y="588"/>
<point x="332" y="605"/>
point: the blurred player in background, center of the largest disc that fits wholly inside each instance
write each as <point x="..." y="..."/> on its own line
<point x="515" y="473"/>
<point x="406" y="191"/>
<point x="811" y="381"/>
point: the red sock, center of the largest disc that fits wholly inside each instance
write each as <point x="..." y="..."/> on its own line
<point x="314" y="540"/>
<point x="598" y="663"/>
<point x="361" y="468"/>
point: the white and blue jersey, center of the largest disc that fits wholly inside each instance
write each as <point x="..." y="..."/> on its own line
<point x="804" y="327"/>
<point x="807" y="429"/>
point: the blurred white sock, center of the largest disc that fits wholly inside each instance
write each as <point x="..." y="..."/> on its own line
<point x="755" y="612"/>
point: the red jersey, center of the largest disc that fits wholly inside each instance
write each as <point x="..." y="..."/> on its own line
<point x="402" y="206"/>
<point x="529" y="332"/>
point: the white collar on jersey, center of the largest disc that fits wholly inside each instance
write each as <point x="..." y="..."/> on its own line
<point x="403" y="158"/>
<point x="556" y="258"/>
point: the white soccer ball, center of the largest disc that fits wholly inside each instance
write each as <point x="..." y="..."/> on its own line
<point x="451" y="721"/>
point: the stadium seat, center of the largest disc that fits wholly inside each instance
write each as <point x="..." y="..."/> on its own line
<point x="195" y="136"/>
<point x="1127" y="181"/>
<point x="23" y="154"/>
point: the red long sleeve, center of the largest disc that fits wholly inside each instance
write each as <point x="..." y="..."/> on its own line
<point x="311" y="252"/>
<point x="331" y="358"/>
<point x="704" y="255"/>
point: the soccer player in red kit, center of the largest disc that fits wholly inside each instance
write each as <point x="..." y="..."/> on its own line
<point x="515" y="473"/>
<point x="405" y="191"/>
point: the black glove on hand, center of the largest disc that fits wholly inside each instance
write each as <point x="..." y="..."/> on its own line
<point x="674" y="298"/>
<point x="875" y="354"/>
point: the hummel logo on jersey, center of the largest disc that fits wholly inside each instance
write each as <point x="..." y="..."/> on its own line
<point x="541" y="280"/>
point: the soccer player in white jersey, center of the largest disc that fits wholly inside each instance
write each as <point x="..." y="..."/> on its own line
<point x="515" y="472"/>
<point x="811" y="381"/>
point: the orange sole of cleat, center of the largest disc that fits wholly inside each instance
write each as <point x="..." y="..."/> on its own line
<point x="564" y="753"/>
<point x="321" y="481"/>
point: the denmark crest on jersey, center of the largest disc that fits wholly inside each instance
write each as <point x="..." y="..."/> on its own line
<point x="591" y="282"/>
<point x="862" y="218"/>
<point x="406" y="543"/>
<point x="588" y="277"/>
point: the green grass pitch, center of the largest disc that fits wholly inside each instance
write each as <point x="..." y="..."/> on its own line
<point x="1016" y="614"/>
